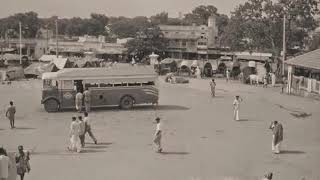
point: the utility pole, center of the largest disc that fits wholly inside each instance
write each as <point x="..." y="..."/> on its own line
<point x="57" y="53"/>
<point x="284" y="43"/>
<point x="20" y="44"/>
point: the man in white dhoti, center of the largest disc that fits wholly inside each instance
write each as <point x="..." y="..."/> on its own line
<point x="273" y="79"/>
<point x="157" y="136"/>
<point x="236" y="108"/>
<point x="79" y="98"/>
<point x="277" y="136"/>
<point x="75" y="143"/>
<point x="227" y="75"/>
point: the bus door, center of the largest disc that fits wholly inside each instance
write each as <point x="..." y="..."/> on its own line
<point x="68" y="94"/>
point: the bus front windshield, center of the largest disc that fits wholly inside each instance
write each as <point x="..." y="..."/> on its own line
<point x="50" y="84"/>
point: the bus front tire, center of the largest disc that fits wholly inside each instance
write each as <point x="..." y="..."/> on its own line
<point x="126" y="102"/>
<point x="51" y="105"/>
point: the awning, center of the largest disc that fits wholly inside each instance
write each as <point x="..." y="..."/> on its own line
<point x="47" y="58"/>
<point x="185" y="63"/>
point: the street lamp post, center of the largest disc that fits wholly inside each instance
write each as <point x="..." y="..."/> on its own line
<point x="284" y="43"/>
<point x="20" y="43"/>
<point x="57" y="53"/>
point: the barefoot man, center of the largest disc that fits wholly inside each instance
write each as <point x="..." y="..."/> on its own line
<point x="213" y="88"/>
<point x="236" y="108"/>
<point x="157" y="136"/>
<point x="11" y="111"/>
<point x="277" y="136"/>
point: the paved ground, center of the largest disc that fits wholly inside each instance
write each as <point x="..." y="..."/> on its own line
<point x="201" y="141"/>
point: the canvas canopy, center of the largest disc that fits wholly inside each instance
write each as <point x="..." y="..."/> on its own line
<point x="118" y="71"/>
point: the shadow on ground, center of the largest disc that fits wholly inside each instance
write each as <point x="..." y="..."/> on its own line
<point x="135" y="108"/>
<point x="174" y="153"/>
<point x="292" y="152"/>
<point x="102" y="143"/>
<point x="24" y="128"/>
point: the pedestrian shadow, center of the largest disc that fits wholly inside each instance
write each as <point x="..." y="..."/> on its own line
<point x="96" y="147"/>
<point x="242" y="120"/>
<point x="292" y="152"/>
<point x="99" y="144"/>
<point x="92" y="151"/>
<point x="24" y="128"/>
<point x="218" y="97"/>
<point x="134" y="108"/>
<point x="168" y="107"/>
<point x="174" y="153"/>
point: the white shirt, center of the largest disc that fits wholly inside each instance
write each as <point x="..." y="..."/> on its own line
<point x="75" y="128"/>
<point x="236" y="104"/>
<point x="158" y="128"/>
<point x="87" y="120"/>
<point x="4" y="166"/>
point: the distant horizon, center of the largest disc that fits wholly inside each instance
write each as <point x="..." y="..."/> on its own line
<point x="72" y="8"/>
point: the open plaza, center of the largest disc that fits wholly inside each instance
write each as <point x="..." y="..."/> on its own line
<point x="201" y="141"/>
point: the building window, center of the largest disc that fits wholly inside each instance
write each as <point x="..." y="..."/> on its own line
<point x="184" y="43"/>
<point x="202" y="43"/>
<point x="177" y="32"/>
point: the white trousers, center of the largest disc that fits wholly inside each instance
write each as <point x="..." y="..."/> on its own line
<point x="275" y="147"/>
<point x="75" y="143"/>
<point x="236" y="114"/>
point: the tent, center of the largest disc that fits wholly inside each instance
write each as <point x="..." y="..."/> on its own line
<point x="210" y="67"/>
<point x="47" y="58"/>
<point x="14" y="73"/>
<point x="37" y="69"/>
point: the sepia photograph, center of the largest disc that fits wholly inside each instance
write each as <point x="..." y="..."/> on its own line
<point x="160" y="90"/>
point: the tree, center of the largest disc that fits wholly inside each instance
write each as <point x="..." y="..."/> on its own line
<point x="200" y="14"/>
<point x="257" y="24"/>
<point x="161" y="18"/>
<point x="126" y="27"/>
<point x="30" y="25"/>
<point x="147" y="41"/>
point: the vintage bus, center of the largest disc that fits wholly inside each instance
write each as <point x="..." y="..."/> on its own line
<point x="121" y="85"/>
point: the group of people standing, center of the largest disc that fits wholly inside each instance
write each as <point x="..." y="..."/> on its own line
<point x="83" y="98"/>
<point x="22" y="164"/>
<point x="78" y="129"/>
<point x="276" y="127"/>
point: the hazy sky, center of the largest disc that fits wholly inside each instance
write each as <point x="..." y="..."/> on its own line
<point x="130" y="8"/>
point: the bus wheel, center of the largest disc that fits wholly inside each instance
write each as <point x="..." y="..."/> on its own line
<point x="51" y="105"/>
<point x="126" y="102"/>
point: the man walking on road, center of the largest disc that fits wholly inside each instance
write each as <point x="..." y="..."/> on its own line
<point x="75" y="143"/>
<point x="88" y="129"/>
<point x="213" y="88"/>
<point x="10" y="113"/>
<point x="82" y="130"/>
<point x="227" y="75"/>
<point x="236" y="108"/>
<point x="79" y="98"/>
<point x="4" y="165"/>
<point x="87" y="99"/>
<point x="157" y="136"/>
<point x="277" y="136"/>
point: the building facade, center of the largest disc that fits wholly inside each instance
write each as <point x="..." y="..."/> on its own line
<point x="192" y="42"/>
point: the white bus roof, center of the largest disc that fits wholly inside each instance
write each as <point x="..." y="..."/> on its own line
<point x="123" y="71"/>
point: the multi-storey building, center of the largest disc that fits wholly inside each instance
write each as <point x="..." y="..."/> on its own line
<point x="192" y="42"/>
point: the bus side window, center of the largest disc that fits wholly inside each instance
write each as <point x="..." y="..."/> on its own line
<point x="150" y="83"/>
<point x="105" y="85"/>
<point x="91" y="85"/>
<point x="134" y="84"/>
<point x="54" y="84"/>
<point x="117" y="85"/>
<point x="67" y="84"/>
